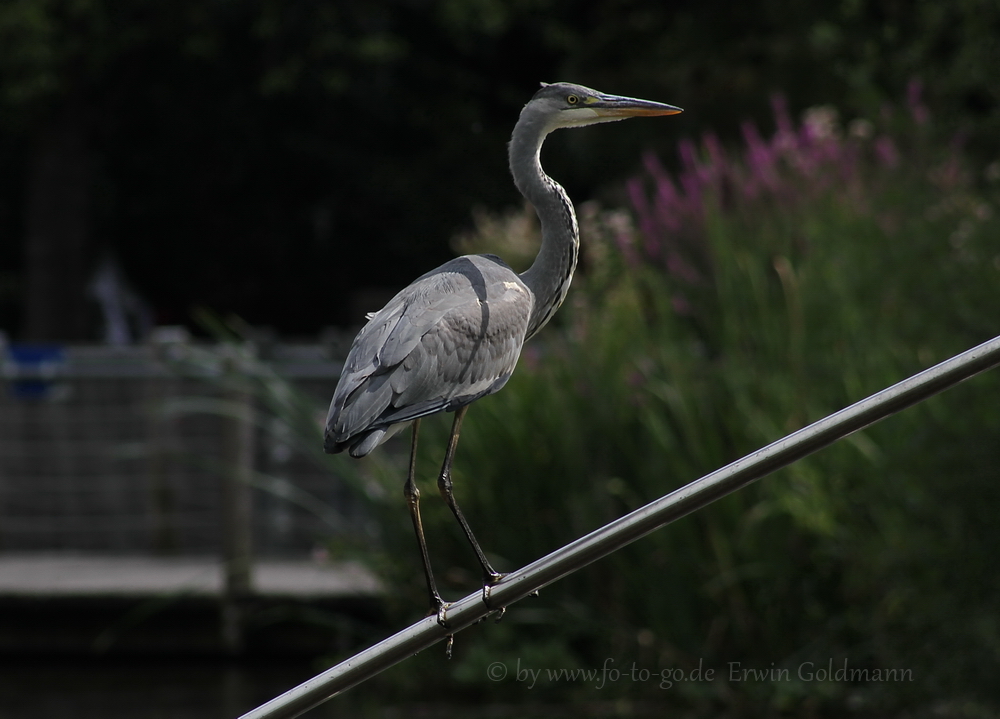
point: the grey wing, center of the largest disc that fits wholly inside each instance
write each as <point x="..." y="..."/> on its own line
<point x="451" y="337"/>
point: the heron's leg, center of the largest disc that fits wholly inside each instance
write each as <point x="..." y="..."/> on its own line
<point x="412" y="495"/>
<point x="490" y="575"/>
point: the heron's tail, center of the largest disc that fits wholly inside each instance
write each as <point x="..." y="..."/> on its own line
<point x="358" y="445"/>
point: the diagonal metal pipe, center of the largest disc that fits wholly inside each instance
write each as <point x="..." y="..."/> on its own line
<point x="627" y="529"/>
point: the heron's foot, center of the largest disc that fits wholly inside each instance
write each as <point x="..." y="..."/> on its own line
<point x="489" y="581"/>
<point x="439" y="609"/>
<point x="442" y="619"/>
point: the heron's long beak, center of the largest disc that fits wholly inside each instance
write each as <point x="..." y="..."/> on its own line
<point x="617" y="106"/>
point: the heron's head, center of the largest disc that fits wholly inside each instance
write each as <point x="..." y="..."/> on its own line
<point x="565" y="104"/>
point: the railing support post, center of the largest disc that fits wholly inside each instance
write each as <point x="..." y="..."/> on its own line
<point x="236" y="505"/>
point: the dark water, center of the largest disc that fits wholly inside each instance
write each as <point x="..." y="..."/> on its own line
<point x="122" y="689"/>
<point x="200" y="689"/>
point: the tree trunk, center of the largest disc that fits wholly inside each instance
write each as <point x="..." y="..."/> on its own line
<point x="57" y="256"/>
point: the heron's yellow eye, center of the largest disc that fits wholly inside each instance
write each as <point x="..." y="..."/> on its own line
<point x="572" y="99"/>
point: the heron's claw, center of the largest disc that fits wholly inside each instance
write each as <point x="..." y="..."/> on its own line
<point x="442" y="614"/>
<point x="489" y="582"/>
<point x="439" y="609"/>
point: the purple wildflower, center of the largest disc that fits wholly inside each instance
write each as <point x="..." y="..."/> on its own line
<point x="886" y="152"/>
<point x="914" y="100"/>
<point x="797" y="163"/>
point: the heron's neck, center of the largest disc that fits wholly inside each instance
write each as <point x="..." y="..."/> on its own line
<point x="551" y="273"/>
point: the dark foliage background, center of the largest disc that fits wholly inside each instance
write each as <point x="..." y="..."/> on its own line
<point x="272" y="158"/>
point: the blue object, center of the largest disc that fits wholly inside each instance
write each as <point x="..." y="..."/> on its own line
<point x="31" y="368"/>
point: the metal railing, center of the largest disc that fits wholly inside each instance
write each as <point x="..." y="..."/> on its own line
<point x="627" y="529"/>
<point x="128" y="450"/>
<point x="164" y="449"/>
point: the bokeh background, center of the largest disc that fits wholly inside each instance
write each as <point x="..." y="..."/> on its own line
<point x="271" y="159"/>
<point x="819" y="223"/>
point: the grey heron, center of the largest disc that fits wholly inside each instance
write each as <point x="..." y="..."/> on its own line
<point x="455" y="333"/>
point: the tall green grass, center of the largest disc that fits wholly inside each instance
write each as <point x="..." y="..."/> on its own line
<point x="804" y="272"/>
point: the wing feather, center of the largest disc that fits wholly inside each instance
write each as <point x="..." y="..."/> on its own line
<point x="449" y="338"/>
